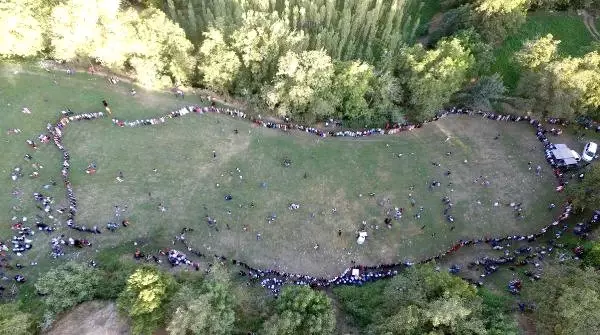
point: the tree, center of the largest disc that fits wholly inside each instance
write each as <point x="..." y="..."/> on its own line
<point x="301" y="310"/>
<point x="496" y="19"/>
<point x="218" y="63"/>
<point x="424" y="301"/>
<point x="537" y="53"/>
<point x="161" y="55"/>
<point x="482" y="93"/>
<point x="21" y="33"/>
<point x="567" y="299"/>
<point x="77" y="24"/>
<point x="302" y="84"/>
<point x="565" y="87"/>
<point x="584" y="194"/>
<point x="15" y="322"/>
<point x="260" y="41"/>
<point x="205" y="311"/>
<point x="352" y="86"/>
<point x="66" y="286"/>
<point x="481" y="51"/>
<point x="592" y="255"/>
<point x="145" y="295"/>
<point x="431" y="77"/>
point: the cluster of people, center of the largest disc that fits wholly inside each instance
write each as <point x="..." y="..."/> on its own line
<point x="177" y="113"/>
<point x="56" y="134"/>
<point x="272" y="279"/>
<point x="177" y="258"/>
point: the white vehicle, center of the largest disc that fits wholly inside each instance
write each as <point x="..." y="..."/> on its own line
<point x="589" y="151"/>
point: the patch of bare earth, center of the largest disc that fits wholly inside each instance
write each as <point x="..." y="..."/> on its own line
<point x="91" y="318"/>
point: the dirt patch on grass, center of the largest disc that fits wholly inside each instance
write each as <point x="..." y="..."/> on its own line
<point x="91" y="318"/>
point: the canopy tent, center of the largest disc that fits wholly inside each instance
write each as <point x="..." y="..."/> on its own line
<point x="562" y="152"/>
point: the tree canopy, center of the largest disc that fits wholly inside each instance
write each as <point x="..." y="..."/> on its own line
<point x="301" y="310"/>
<point x="206" y="310"/>
<point x="567" y="301"/>
<point x="431" y="77"/>
<point x="21" y="33"/>
<point x="66" y="286"/>
<point x="144" y="298"/>
<point x="537" y="53"/>
<point x="584" y="194"/>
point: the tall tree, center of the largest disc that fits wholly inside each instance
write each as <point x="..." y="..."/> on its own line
<point x="566" y="87"/>
<point x="76" y="25"/>
<point x="537" y="53"/>
<point x="352" y="85"/>
<point x="431" y="77"/>
<point x="424" y="301"/>
<point x="584" y="194"/>
<point x="302" y="84"/>
<point x="567" y="301"/>
<point x="208" y="310"/>
<point x="21" y="33"/>
<point x="218" y="64"/>
<point x="66" y="286"/>
<point x="482" y="93"/>
<point x="260" y="42"/>
<point x="161" y="54"/>
<point x="496" y="19"/>
<point x="144" y="298"/>
<point x="301" y="310"/>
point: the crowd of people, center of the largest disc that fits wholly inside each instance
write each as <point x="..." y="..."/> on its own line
<point x="56" y="132"/>
<point x="272" y="279"/>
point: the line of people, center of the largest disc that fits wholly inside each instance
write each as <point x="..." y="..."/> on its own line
<point x="371" y="273"/>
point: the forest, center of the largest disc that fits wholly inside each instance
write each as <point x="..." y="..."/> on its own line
<point x="367" y="61"/>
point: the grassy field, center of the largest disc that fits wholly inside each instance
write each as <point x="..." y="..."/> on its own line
<point x="324" y="174"/>
<point x="567" y="27"/>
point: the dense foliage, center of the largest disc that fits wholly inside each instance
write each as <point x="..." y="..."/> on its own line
<point x="311" y="59"/>
<point x="425" y="301"/>
<point x="584" y="194"/>
<point x="301" y="310"/>
<point x="567" y="301"/>
<point x="15" y="322"/>
<point x="145" y="297"/>
<point x="66" y="286"/>
<point x="206" y="310"/>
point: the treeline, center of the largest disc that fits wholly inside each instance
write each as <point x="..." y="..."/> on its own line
<point x="417" y="301"/>
<point x="145" y="44"/>
<point x="347" y="30"/>
<point x="310" y="60"/>
<point x="212" y="303"/>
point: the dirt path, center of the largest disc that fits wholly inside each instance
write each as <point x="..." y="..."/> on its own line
<point x="91" y="318"/>
<point x="590" y="23"/>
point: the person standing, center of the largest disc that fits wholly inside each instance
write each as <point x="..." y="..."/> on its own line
<point x="105" y="104"/>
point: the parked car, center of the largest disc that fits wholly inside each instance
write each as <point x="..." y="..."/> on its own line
<point x="589" y="151"/>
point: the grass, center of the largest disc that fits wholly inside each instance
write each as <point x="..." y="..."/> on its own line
<point x="337" y="171"/>
<point x="567" y="27"/>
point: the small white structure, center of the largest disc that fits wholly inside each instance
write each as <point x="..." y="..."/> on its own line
<point x="362" y="236"/>
<point x="355" y="273"/>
